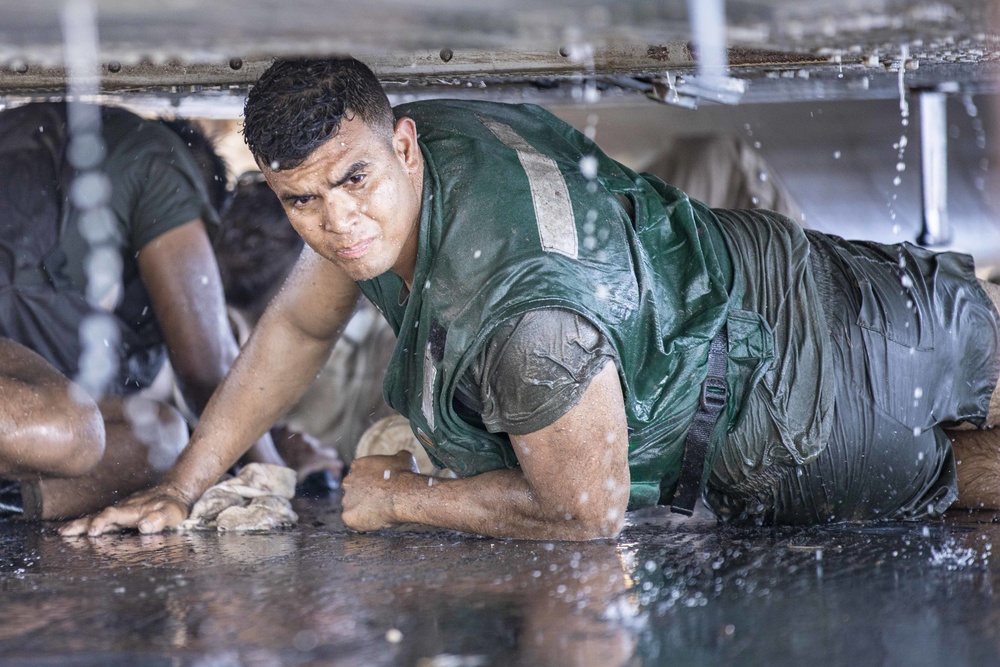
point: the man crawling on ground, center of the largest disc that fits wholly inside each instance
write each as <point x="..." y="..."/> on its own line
<point x="576" y="339"/>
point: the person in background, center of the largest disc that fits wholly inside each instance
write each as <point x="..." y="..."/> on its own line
<point x="162" y="183"/>
<point x="724" y="172"/>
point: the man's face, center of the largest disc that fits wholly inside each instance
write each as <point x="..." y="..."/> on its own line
<point x="356" y="199"/>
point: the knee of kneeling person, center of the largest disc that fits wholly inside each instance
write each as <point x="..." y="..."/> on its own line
<point x="76" y="440"/>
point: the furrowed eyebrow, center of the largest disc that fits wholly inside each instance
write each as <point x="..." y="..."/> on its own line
<point x="353" y="169"/>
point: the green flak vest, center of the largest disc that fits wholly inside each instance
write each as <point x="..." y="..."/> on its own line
<point x="521" y="212"/>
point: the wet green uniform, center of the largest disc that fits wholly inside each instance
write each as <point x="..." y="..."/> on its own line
<point x="522" y="213"/>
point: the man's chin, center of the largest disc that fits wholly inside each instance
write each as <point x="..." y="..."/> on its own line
<point x="358" y="272"/>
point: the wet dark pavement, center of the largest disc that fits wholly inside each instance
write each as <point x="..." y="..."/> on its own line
<point x="666" y="592"/>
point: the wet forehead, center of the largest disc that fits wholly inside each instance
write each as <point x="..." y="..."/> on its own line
<point x="355" y="144"/>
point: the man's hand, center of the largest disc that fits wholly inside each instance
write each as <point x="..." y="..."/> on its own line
<point x="573" y="481"/>
<point x="151" y="511"/>
<point x="369" y="488"/>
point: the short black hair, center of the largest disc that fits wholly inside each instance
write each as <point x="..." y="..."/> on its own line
<point x="256" y="247"/>
<point x="297" y="105"/>
<point x="214" y="172"/>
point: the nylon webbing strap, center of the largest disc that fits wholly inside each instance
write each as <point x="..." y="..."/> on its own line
<point x="713" y="400"/>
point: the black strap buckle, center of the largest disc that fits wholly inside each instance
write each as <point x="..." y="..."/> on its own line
<point x="714" y="393"/>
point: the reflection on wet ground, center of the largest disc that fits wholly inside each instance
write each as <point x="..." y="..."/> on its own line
<point x="667" y="591"/>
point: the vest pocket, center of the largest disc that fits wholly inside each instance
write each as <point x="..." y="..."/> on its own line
<point x="751" y="351"/>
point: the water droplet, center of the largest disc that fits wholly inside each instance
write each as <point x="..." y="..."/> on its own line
<point x="90" y="190"/>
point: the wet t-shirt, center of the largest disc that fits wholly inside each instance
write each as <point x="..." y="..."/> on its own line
<point x="532" y="371"/>
<point x="153" y="186"/>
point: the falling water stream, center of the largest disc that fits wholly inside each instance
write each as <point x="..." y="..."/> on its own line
<point x="900" y="146"/>
<point x="90" y="193"/>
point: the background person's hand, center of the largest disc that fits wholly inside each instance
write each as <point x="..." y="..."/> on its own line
<point x="150" y="511"/>
<point x="368" y="490"/>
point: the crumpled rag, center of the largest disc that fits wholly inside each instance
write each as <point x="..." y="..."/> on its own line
<point x="257" y="499"/>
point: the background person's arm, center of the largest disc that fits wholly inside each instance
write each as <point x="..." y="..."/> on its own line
<point x="573" y="483"/>
<point x="286" y="350"/>
<point x="182" y="279"/>
<point x="181" y="276"/>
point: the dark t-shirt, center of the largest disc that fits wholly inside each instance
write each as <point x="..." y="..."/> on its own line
<point x="154" y="186"/>
<point x="532" y="371"/>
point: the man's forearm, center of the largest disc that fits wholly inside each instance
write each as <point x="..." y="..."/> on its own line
<point x="498" y="504"/>
<point x="272" y="372"/>
<point x="573" y="482"/>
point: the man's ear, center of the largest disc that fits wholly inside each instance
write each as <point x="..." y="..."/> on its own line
<point x="404" y="142"/>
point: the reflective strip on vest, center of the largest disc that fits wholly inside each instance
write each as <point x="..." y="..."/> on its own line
<point x="549" y="194"/>
<point x="430" y="378"/>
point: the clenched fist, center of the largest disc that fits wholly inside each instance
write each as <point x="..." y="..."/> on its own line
<point x="370" y="487"/>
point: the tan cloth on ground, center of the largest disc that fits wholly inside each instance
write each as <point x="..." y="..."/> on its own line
<point x="346" y="397"/>
<point x="257" y="499"/>
<point x="392" y="434"/>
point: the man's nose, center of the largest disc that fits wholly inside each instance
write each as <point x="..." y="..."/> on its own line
<point x="341" y="215"/>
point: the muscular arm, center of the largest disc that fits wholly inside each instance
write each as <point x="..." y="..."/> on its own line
<point x="286" y="350"/>
<point x="182" y="279"/>
<point x="573" y="483"/>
